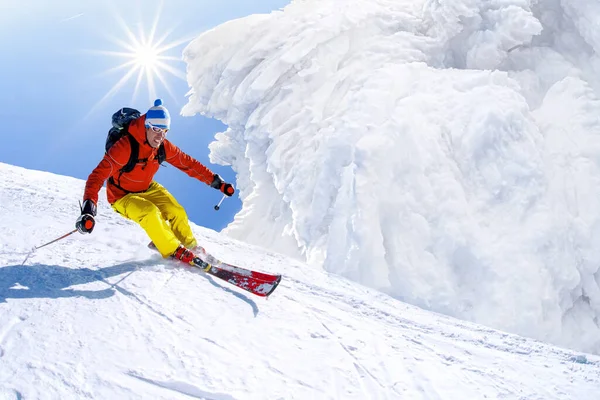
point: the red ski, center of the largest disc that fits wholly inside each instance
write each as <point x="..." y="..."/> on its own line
<point x="208" y="258"/>
<point x="258" y="283"/>
<point x="254" y="282"/>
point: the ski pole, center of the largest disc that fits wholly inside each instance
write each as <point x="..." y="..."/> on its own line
<point x="55" y="240"/>
<point x="219" y="205"/>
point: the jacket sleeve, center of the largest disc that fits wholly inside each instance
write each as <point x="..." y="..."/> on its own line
<point x="117" y="156"/>
<point x="187" y="164"/>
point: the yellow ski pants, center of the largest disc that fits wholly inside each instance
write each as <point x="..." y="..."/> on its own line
<point x="160" y="215"/>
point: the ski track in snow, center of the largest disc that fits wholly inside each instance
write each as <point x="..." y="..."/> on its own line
<point x="6" y="329"/>
<point x="183" y="388"/>
<point x="363" y="374"/>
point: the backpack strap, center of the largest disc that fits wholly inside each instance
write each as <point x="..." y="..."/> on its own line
<point x="133" y="160"/>
<point x="128" y="167"/>
<point x="161" y="156"/>
<point x="133" y="155"/>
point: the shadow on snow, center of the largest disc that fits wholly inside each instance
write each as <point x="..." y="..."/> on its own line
<point x="53" y="281"/>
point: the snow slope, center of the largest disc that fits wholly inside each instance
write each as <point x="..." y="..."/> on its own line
<point x="446" y="152"/>
<point x="101" y="317"/>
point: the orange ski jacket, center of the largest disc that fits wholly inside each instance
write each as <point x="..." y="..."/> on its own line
<point x="139" y="179"/>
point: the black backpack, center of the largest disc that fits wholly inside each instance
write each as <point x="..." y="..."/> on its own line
<point x="120" y="123"/>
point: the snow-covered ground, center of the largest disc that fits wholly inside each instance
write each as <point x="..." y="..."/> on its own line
<point x="101" y="317"/>
<point x="446" y="152"/>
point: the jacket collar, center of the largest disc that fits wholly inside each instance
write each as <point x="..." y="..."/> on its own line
<point x="137" y="129"/>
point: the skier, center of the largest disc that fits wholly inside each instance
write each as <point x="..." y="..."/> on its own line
<point x="136" y="196"/>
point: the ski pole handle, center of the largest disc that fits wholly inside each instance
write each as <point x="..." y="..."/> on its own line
<point x="219" y="205"/>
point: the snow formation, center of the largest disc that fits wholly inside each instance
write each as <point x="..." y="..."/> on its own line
<point x="445" y="152"/>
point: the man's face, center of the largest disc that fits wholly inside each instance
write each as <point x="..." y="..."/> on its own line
<point x="155" y="136"/>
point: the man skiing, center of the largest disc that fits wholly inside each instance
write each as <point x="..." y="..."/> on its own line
<point x="136" y="196"/>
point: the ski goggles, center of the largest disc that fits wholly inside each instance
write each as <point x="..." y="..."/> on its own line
<point x="157" y="129"/>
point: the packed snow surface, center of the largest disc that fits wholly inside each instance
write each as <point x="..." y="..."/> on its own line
<point x="445" y="152"/>
<point x="100" y="316"/>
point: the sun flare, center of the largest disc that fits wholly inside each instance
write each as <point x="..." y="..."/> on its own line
<point x="146" y="60"/>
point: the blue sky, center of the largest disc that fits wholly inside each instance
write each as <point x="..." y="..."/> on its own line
<point x="55" y="77"/>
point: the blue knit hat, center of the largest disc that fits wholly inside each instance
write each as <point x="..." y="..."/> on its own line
<point x="158" y="116"/>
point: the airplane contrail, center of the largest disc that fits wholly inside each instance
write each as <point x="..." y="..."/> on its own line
<point x="70" y="18"/>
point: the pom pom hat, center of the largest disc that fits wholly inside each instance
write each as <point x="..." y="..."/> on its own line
<point x="158" y="116"/>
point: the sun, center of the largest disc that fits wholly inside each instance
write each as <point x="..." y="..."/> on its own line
<point x="145" y="58"/>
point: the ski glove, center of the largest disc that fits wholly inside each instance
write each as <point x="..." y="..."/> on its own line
<point x="218" y="184"/>
<point x="85" y="223"/>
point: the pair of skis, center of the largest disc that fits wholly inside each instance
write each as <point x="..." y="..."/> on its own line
<point x="258" y="283"/>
